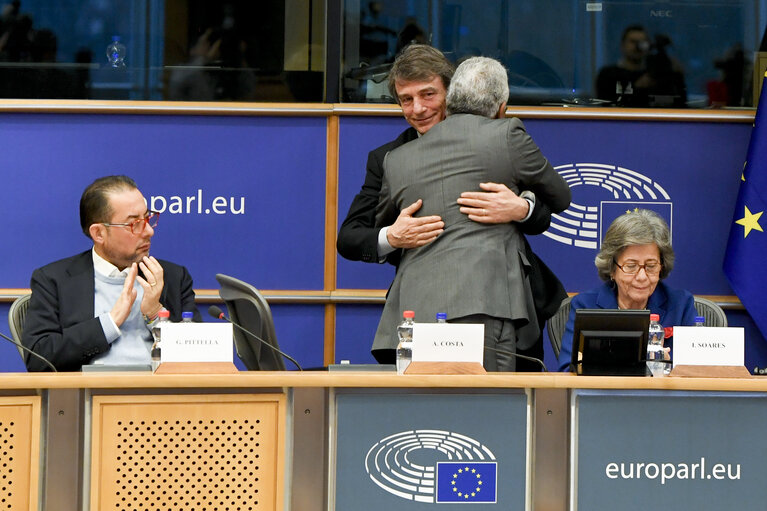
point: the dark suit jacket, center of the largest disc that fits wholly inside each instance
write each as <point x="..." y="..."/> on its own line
<point x="60" y="323"/>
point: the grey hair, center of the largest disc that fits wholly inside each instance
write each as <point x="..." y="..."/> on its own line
<point x="479" y="86"/>
<point x="639" y="227"/>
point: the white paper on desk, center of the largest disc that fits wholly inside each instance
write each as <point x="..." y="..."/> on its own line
<point x="196" y="342"/>
<point x="448" y="342"/>
<point x="708" y="345"/>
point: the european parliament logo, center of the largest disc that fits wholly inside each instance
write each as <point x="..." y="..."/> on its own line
<point x="433" y="466"/>
<point x="601" y="193"/>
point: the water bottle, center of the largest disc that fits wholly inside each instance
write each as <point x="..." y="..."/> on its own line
<point x="163" y="317"/>
<point x="700" y="321"/>
<point x="442" y="317"/>
<point x="405" y="346"/>
<point x="655" y="347"/>
<point x="187" y="317"/>
<point x="116" y="52"/>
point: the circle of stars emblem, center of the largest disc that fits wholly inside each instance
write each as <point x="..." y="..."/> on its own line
<point x="468" y="478"/>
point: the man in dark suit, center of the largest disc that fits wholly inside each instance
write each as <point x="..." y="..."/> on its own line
<point x="419" y="80"/>
<point x="99" y="306"/>
<point x="475" y="272"/>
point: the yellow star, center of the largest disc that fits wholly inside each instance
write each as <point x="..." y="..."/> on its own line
<point x="473" y="470"/>
<point x="750" y="221"/>
<point x="480" y="482"/>
<point x="455" y="489"/>
<point x="460" y="470"/>
<point x="742" y="174"/>
<point x="466" y="496"/>
<point x="473" y="494"/>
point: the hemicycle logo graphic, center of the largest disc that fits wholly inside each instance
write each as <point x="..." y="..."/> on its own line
<point x="611" y="187"/>
<point x="433" y="466"/>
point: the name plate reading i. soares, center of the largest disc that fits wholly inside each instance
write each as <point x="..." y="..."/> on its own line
<point x="711" y="346"/>
<point x="448" y="342"/>
<point x="196" y="342"/>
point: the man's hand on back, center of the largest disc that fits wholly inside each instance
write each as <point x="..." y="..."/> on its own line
<point x="497" y="204"/>
<point x="411" y="232"/>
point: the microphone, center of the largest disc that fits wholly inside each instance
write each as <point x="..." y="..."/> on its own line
<point x="29" y="351"/>
<point x="519" y="355"/>
<point x="216" y="312"/>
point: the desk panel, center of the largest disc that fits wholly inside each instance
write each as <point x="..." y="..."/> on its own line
<point x="19" y="451"/>
<point x="643" y="450"/>
<point x="188" y="452"/>
<point x="402" y="450"/>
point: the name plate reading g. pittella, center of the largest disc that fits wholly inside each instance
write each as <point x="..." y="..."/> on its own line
<point x="196" y="342"/>
<point x="707" y="345"/>
<point x="448" y="342"/>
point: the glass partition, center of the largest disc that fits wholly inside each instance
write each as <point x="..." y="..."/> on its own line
<point x="661" y="53"/>
<point x="633" y="53"/>
<point x="163" y="50"/>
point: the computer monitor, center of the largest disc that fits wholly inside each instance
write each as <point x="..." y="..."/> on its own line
<point x="610" y="342"/>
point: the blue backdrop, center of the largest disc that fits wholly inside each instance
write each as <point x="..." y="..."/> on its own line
<point x="246" y="196"/>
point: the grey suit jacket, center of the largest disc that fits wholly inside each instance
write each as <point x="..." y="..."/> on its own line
<point x="472" y="268"/>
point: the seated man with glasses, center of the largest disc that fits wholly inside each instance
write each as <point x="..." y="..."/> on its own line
<point x="636" y="255"/>
<point x="98" y="306"/>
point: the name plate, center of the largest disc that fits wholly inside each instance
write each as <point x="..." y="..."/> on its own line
<point x="706" y="345"/>
<point x="448" y="342"/>
<point x="196" y="342"/>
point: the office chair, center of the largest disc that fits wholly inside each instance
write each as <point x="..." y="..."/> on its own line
<point x="248" y="307"/>
<point x="16" y="316"/>
<point x="556" y="325"/>
<point x="714" y="314"/>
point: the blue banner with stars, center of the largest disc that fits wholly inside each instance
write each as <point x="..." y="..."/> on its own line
<point x="466" y="482"/>
<point x="744" y="262"/>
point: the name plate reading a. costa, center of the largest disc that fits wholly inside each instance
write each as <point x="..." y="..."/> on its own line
<point x="705" y="345"/>
<point x="448" y="342"/>
<point x="196" y="342"/>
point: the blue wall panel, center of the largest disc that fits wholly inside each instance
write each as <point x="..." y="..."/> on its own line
<point x="269" y="171"/>
<point x="355" y="328"/>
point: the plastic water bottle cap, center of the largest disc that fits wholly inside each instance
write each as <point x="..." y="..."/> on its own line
<point x="441" y="316"/>
<point x="700" y="319"/>
<point x="408" y="314"/>
<point x="164" y="314"/>
<point x="187" y="315"/>
<point x="654" y="317"/>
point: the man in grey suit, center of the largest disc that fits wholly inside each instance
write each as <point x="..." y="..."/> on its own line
<point x="475" y="272"/>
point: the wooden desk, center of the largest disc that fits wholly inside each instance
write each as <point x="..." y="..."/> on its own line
<point x="68" y="399"/>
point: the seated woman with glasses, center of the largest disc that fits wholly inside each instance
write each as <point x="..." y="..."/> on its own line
<point x="636" y="255"/>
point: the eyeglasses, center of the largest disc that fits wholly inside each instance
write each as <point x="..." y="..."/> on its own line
<point x="632" y="267"/>
<point x="138" y="226"/>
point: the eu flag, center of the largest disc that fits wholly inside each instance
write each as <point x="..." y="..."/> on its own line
<point x="466" y="481"/>
<point x="744" y="262"/>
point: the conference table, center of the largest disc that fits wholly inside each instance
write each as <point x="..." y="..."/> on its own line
<point x="348" y="440"/>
